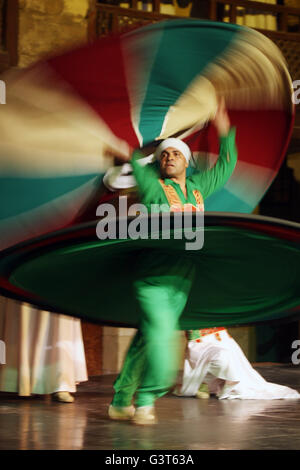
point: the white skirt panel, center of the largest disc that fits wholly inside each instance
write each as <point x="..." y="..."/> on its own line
<point x="44" y="351"/>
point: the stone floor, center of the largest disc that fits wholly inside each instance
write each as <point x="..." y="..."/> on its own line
<point x="184" y="423"/>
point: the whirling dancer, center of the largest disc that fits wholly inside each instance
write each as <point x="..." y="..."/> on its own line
<point x="162" y="283"/>
<point x="215" y="365"/>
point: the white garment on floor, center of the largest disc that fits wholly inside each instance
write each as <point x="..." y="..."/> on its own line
<point x="222" y="365"/>
<point x="44" y="351"/>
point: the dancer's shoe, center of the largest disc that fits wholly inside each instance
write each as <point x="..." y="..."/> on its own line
<point x="121" y="413"/>
<point x="63" y="397"/>
<point x="176" y="392"/>
<point x="203" y="392"/>
<point x="145" y="416"/>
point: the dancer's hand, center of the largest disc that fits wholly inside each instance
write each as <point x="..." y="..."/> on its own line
<point x="221" y="120"/>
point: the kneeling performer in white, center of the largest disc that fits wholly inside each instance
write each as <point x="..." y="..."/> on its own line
<point x="215" y="364"/>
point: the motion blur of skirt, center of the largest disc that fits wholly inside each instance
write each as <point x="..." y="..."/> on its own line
<point x="44" y="351"/>
<point x="218" y="361"/>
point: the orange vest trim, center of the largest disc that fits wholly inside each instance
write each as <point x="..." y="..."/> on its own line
<point x="198" y="197"/>
<point x="175" y="202"/>
<point x="209" y="331"/>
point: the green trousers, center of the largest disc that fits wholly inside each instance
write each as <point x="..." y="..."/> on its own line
<point x="150" y="367"/>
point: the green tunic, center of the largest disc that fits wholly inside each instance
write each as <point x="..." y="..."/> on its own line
<point x="162" y="286"/>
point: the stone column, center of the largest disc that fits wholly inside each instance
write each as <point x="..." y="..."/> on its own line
<point x="49" y="26"/>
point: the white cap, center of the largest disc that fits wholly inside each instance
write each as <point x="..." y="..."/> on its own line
<point x="175" y="143"/>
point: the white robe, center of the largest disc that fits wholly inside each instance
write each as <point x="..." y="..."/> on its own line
<point x="44" y="352"/>
<point x="222" y="365"/>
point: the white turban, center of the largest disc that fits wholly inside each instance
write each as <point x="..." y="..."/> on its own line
<point x="175" y="143"/>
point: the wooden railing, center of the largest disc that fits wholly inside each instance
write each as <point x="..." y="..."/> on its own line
<point x="111" y="19"/>
<point x="232" y="8"/>
<point x="236" y="6"/>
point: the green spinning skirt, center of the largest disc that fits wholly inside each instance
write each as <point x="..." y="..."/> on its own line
<point x="247" y="272"/>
